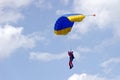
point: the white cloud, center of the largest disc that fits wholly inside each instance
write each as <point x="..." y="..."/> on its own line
<point x="10" y="10"/>
<point x="85" y="76"/>
<point x="65" y="2"/>
<point x="107" y="13"/>
<point x="84" y="49"/>
<point x="107" y="65"/>
<point x="107" y="43"/>
<point x="116" y="32"/>
<point x="10" y="16"/>
<point x="45" y="56"/>
<point x="61" y="12"/>
<point x="14" y="3"/>
<point x="43" y="4"/>
<point x="73" y="36"/>
<point x="40" y="37"/>
<point x="12" y="38"/>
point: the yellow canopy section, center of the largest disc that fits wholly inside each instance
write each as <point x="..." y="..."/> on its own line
<point x="76" y="18"/>
<point x="63" y="31"/>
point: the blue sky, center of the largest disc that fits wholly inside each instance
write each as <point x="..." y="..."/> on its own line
<point x="29" y="49"/>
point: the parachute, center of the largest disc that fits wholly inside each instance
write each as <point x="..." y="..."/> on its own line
<point x="65" y="23"/>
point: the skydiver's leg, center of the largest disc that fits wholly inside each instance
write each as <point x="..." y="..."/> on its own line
<point x="70" y="64"/>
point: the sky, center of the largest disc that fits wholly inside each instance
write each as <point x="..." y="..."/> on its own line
<point x="29" y="49"/>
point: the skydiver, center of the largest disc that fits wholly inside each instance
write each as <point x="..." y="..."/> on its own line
<point x="71" y="57"/>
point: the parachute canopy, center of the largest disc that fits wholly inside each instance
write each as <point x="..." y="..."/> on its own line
<point x="65" y="23"/>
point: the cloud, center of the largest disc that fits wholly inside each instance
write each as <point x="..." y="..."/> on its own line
<point x="107" y="13"/>
<point x="85" y="76"/>
<point x="14" y="3"/>
<point x="61" y="12"/>
<point x="10" y="10"/>
<point x="108" y="64"/>
<point x="101" y="46"/>
<point x="43" y="4"/>
<point x="84" y="49"/>
<point x="40" y="37"/>
<point x="45" y="56"/>
<point x="11" y="38"/>
<point x="65" y="2"/>
<point x="107" y="43"/>
<point x="10" y="16"/>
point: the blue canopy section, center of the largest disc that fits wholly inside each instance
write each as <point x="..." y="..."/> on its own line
<point x="63" y="23"/>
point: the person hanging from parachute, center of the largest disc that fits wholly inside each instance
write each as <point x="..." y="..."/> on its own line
<point x="64" y="25"/>
<point x="71" y="57"/>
